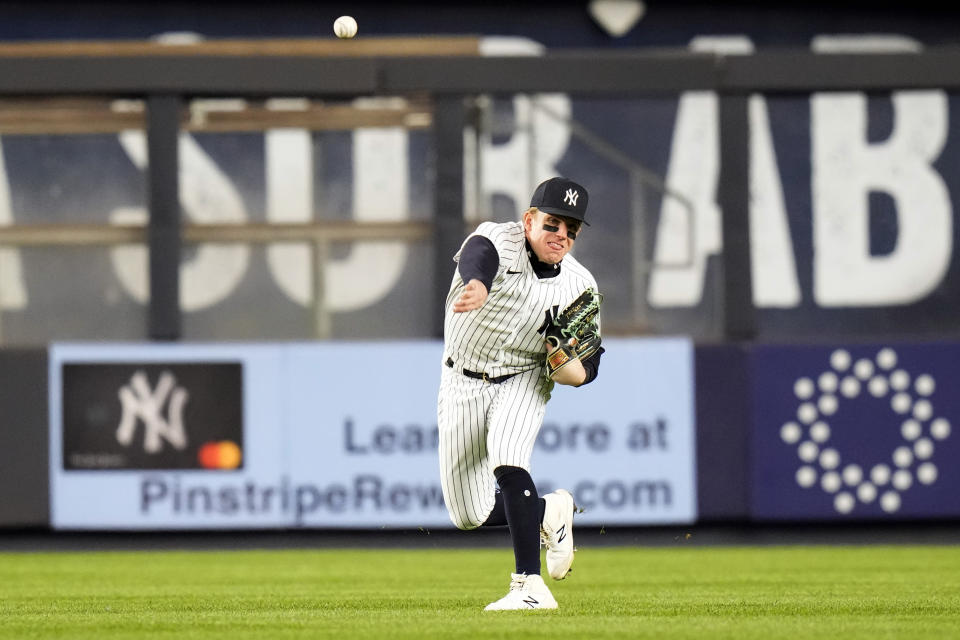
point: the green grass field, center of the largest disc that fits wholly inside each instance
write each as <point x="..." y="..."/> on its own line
<point x="678" y="592"/>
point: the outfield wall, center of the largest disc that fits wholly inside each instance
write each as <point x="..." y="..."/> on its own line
<point x="339" y="435"/>
<point x="24" y="427"/>
<point x="158" y="436"/>
<point x="855" y="431"/>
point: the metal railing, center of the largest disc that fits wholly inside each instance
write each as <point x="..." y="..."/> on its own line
<point x="318" y="235"/>
<point x="640" y="178"/>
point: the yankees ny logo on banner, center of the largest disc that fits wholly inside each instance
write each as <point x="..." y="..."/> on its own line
<point x="571" y="197"/>
<point x="146" y="405"/>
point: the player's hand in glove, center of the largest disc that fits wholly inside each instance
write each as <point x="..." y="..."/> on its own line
<point x="571" y="336"/>
<point x="563" y="365"/>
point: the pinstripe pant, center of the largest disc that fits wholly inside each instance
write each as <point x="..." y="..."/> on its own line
<point x="483" y="426"/>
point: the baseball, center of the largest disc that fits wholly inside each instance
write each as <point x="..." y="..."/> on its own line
<point x="345" y="27"/>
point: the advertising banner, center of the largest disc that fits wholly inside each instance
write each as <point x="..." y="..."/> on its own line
<point x="340" y="435"/>
<point x="98" y="432"/>
<point x="159" y="436"/>
<point x="855" y="432"/>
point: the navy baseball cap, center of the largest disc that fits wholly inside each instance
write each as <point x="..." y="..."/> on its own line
<point x="561" y="197"/>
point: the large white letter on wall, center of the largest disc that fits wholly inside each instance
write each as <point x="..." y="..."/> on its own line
<point x="207" y="196"/>
<point x="380" y="191"/>
<point x="539" y="139"/>
<point x="13" y="295"/>
<point x="288" y="159"/>
<point x="693" y="171"/>
<point x="846" y="168"/>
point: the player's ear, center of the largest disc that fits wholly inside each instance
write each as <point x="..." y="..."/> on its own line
<point x="528" y="219"/>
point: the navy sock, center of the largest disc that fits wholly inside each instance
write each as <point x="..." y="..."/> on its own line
<point x="523" y="511"/>
<point x="497" y="517"/>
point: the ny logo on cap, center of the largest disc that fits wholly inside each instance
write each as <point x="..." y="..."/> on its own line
<point x="571" y="197"/>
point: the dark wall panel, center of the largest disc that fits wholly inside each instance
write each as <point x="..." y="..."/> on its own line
<point x="24" y="477"/>
<point x="722" y="410"/>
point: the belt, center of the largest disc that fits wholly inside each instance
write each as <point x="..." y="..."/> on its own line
<point x="482" y="376"/>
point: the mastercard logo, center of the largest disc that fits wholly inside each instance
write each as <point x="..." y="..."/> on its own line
<point x="220" y="455"/>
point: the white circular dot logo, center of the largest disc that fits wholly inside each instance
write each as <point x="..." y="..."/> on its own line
<point x="940" y="428"/>
<point x="791" y="433"/>
<point x="827" y="405"/>
<point x="830" y="482"/>
<point x="903" y="456"/>
<point x="806" y="476"/>
<point x="816" y="430"/>
<point x="808" y="451"/>
<point x="840" y="360"/>
<point x="844" y="502"/>
<point x="819" y="432"/>
<point x="827" y="382"/>
<point x="902" y="480"/>
<point x="807" y="413"/>
<point x="852" y="475"/>
<point x="803" y="388"/>
<point x="880" y="474"/>
<point x="927" y="473"/>
<point x="900" y="403"/>
<point x="863" y="369"/>
<point x="925" y="385"/>
<point x="890" y="501"/>
<point x="923" y="448"/>
<point x="829" y="459"/>
<point x="887" y="358"/>
<point x="911" y="430"/>
<point x="899" y="380"/>
<point x="878" y="386"/>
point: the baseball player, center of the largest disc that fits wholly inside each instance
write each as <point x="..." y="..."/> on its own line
<point x="511" y="279"/>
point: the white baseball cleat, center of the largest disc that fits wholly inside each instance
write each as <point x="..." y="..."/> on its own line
<point x="526" y="592"/>
<point x="556" y="532"/>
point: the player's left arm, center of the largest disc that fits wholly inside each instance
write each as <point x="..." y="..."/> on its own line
<point x="590" y="353"/>
<point x="572" y="370"/>
<point x="573" y="341"/>
<point x="591" y="366"/>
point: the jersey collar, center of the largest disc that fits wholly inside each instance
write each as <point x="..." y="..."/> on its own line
<point x="542" y="269"/>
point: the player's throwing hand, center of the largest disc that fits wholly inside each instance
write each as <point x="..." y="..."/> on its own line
<point x="473" y="296"/>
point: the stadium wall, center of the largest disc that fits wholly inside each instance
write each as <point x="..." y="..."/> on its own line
<point x="861" y="242"/>
<point x="157" y="436"/>
<point x="818" y="152"/>
<point x="24" y="434"/>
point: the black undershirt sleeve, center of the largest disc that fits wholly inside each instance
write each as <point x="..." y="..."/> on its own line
<point x="592" y="366"/>
<point x="479" y="260"/>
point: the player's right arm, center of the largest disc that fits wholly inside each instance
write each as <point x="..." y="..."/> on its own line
<point x="472" y="297"/>
<point x="477" y="267"/>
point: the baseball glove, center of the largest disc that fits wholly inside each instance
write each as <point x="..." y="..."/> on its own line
<point x="574" y="332"/>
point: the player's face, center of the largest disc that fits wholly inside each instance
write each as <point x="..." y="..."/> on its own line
<point x="551" y="236"/>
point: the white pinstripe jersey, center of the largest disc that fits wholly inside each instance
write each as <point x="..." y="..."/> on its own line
<point x="501" y="336"/>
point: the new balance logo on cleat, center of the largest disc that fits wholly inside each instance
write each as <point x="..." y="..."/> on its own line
<point x="556" y="532"/>
<point x="527" y="592"/>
